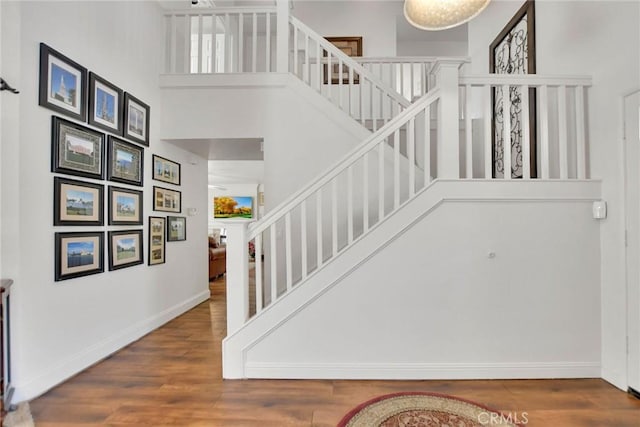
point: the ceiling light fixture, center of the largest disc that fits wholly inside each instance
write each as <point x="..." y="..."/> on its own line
<point x="434" y="15"/>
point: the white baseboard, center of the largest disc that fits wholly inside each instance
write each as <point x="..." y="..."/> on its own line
<point x="423" y="371"/>
<point x="55" y="374"/>
<point x="615" y="377"/>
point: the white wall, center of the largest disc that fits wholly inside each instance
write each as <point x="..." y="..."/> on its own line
<point x="59" y="328"/>
<point x="431" y="48"/>
<point x="375" y="21"/>
<point x="600" y="39"/>
<point x="411" y="305"/>
<point x="301" y="137"/>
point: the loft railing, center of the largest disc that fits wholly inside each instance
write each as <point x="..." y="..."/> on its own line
<point x="543" y="136"/>
<point x="220" y="40"/>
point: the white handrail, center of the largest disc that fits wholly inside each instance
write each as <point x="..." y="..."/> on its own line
<point x="322" y="179"/>
<point x="221" y="10"/>
<point x="358" y="91"/>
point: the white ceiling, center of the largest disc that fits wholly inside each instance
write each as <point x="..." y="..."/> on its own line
<point x="407" y="32"/>
<point x="230" y="160"/>
<point x="223" y="148"/>
<point x="223" y="172"/>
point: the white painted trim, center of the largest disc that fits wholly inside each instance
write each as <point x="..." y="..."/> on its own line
<point x="69" y="367"/>
<point x="223" y="80"/>
<point x="427" y="371"/>
<point x="525" y="79"/>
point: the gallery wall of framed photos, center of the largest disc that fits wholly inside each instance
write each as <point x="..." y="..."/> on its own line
<point x="99" y="135"/>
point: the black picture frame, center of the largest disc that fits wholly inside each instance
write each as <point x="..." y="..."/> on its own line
<point x="176" y="228"/>
<point x="136" y="120"/>
<point x="511" y="43"/>
<point x="76" y="149"/>
<point x="157" y="239"/>
<point x="166" y="170"/>
<point x="125" y="206"/>
<point x="78" y="254"/>
<point x="125" y="249"/>
<point x="77" y="203"/>
<point x="68" y="98"/>
<point x="105" y="104"/>
<point x="125" y="162"/>
<point x="167" y="200"/>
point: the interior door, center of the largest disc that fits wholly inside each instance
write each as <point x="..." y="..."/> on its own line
<point x="632" y="190"/>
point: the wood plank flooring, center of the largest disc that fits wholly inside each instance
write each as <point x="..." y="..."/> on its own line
<point x="173" y="377"/>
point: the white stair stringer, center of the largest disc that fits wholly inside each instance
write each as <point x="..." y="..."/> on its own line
<point x="238" y="347"/>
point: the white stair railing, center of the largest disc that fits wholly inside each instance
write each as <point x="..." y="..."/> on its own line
<point x="313" y="226"/>
<point x="411" y="76"/>
<point x="220" y="40"/>
<point x="342" y="80"/>
<point x="544" y="136"/>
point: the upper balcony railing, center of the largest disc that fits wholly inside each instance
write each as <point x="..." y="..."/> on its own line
<point x="220" y="40"/>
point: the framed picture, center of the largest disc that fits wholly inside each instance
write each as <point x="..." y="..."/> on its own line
<point x="514" y="52"/>
<point x="351" y="46"/>
<point x="63" y="84"/>
<point x="125" y="162"/>
<point x="166" y="200"/>
<point x="76" y="150"/>
<point x="78" y="254"/>
<point x="125" y="206"/>
<point x="105" y="104"/>
<point x="125" y="248"/>
<point x="233" y="207"/>
<point x="77" y="202"/>
<point x="136" y="119"/>
<point x="156" y="240"/>
<point x="166" y="170"/>
<point x="176" y="228"/>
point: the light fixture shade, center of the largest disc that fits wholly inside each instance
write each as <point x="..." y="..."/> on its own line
<point x="434" y="15"/>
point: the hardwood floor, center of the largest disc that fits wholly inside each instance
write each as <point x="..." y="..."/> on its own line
<point x="173" y="377"/>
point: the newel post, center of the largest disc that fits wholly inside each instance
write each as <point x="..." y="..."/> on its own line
<point x="447" y="79"/>
<point x="282" y="36"/>
<point x="237" y="275"/>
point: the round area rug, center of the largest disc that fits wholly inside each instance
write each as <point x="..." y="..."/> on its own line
<point x="415" y="409"/>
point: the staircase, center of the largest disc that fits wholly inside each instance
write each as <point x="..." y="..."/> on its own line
<point x="426" y="145"/>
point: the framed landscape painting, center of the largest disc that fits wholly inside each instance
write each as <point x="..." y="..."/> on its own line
<point x="105" y="105"/>
<point x="63" y="84"/>
<point x="76" y="149"/>
<point x="166" y="200"/>
<point x="156" y="240"/>
<point x="77" y="202"/>
<point x="125" y="248"/>
<point x="166" y="170"/>
<point x="176" y="228"/>
<point x="125" y="162"/>
<point x="136" y="119"/>
<point x="233" y="207"/>
<point x="78" y="254"/>
<point x="125" y="206"/>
